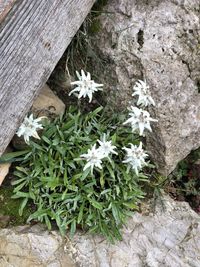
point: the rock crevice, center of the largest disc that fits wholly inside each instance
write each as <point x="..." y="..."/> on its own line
<point x="157" y="41"/>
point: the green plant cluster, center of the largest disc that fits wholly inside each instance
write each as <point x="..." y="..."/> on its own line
<point x="52" y="177"/>
<point x="186" y="175"/>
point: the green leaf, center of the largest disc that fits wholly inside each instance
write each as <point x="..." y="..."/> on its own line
<point x="80" y="215"/>
<point x="131" y="205"/>
<point x="32" y="195"/>
<point x="11" y="156"/>
<point x="46" y="140"/>
<point x="110" y="171"/>
<point x="22" y="169"/>
<point x="95" y="204"/>
<point x="51" y="130"/>
<point x="47" y="222"/>
<point x="102" y="181"/>
<point x="117" y="190"/>
<point x="68" y="125"/>
<point x="36" y="146"/>
<point x="85" y="174"/>
<point x="21" y="194"/>
<point x="77" y="176"/>
<point x="73" y="228"/>
<point x="19" y="187"/>
<point x="37" y="214"/>
<point x="115" y="213"/>
<point x="58" y="220"/>
<point x="22" y="206"/>
<point x="55" y="142"/>
<point x="113" y="138"/>
<point x="65" y="178"/>
<point x="18" y="181"/>
<point x="95" y="112"/>
<point x="106" y="191"/>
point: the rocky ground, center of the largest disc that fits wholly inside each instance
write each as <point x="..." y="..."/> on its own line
<point x="169" y="237"/>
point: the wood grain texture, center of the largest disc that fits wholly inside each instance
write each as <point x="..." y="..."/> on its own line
<point x="5" y="7"/>
<point x="32" y="40"/>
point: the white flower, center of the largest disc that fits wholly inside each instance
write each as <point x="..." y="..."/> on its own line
<point x="94" y="158"/>
<point x="29" y="128"/>
<point x="135" y="157"/>
<point x="85" y="86"/>
<point x="139" y="119"/>
<point x="142" y="90"/>
<point x="106" y="147"/>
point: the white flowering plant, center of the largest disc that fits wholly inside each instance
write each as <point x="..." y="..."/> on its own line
<point x="29" y="128"/>
<point x="87" y="169"/>
<point x="85" y="86"/>
<point x="140" y="120"/>
<point x="141" y="89"/>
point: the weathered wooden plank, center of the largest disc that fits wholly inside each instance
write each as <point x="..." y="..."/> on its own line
<point x="32" y="39"/>
<point x="5" y="6"/>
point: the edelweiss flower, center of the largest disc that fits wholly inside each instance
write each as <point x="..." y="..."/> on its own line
<point x="142" y="90"/>
<point x="29" y="128"/>
<point x="93" y="157"/>
<point x="139" y="120"/>
<point x="106" y="147"/>
<point x="135" y="157"/>
<point x="85" y="86"/>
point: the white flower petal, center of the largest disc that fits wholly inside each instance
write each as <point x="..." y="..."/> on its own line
<point x="29" y="128"/>
<point x="88" y="76"/>
<point x="77" y="89"/>
<point x="90" y="96"/>
<point x="98" y="85"/>
<point x="35" y="134"/>
<point x="139" y="119"/>
<point x="135" y="157"/>
<point x="147" y="126"/>
<point x="26" y="139"/>
<point x="83" y="75"/>
<point x="142" y="90"/>
<point x="106" y="147"/>
<point x="85" y="86"/>
<point x="93" y="158"/>
<point x="141" y="127"/>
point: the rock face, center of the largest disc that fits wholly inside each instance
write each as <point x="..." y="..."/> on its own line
<point x="4" y="167"/>
<point x="169" y="237"/>
<point x="47" y="103"/>
<point x="156" y="40"/>
<point x="32" y="247"/>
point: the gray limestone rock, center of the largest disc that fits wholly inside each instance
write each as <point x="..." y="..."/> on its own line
<point x="170" y="237"/>
<point x="156" y="40"/>
<point x="27" y="246"/>
<point x="167" y="237"/>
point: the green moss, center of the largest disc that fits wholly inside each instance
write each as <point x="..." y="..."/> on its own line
<point x="10" y="207"/>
